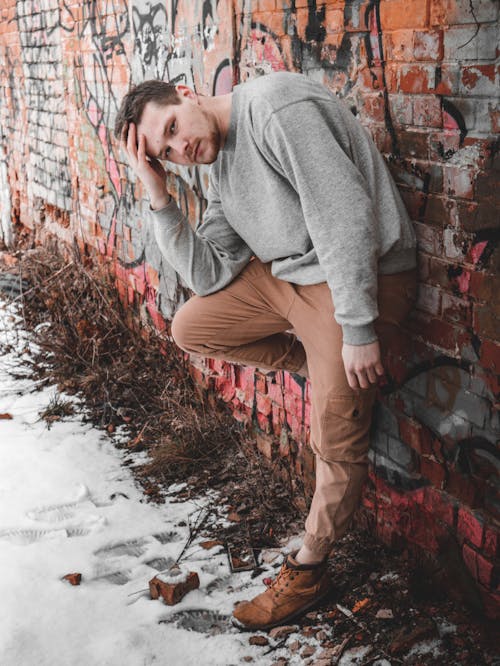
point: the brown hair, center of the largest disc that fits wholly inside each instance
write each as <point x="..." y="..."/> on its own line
<point x="132" y="106"/>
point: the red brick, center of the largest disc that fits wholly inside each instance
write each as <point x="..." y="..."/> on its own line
<point x="398" y="45"/>
<point x="374" y="107"/>
<point x="334" y="20"/>
<point x="264" y="404"/>
<point x="439" y="210"/>
<point x="444" y="144"/>
<point x="293" y="386"/>
<point x="459" y="182"/>
<point x="427" y="111"/>
<point x="441" y="505"/>
<point x="433" y="471"/>
<point x="275" y="392"/>
<point x="266" y="5"/>
<point x="415" y="435"/>
<point x="415" y="205"/>
<point x="418" y="79"/>
<point x="456" y="309"/>
<point x="461" y="487"/>
<point x="265" y="444"/>
<point x="428" y="45"/>
<point x="413" y="142"/>
<point x="479" y="78"/>
<point x="487" y="321"/>
<point x="487" y="574"/>
<point x="434" y="331"/>
<point x="470" y="528"/>
<point x="490" y="355"/>
<point x="470" y="558"/>
<point x="73" y="578"/>
<point x="491" y="603"/>
<point x="260" y="383"/>
<point x="225" y="388"/>
<point x="264" y="423"/>
<point x="491" y="546"/>
<point x="172" y="593"/>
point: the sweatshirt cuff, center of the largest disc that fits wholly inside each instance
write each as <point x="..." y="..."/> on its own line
<point x="359" y="335"/>
<point x="166" y="209"/>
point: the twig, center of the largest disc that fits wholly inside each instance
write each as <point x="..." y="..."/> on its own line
<point x="341" y="650"/>
<point x="43" y="283"/>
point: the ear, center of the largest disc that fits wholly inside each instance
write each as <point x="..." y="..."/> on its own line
<point x="185" y="91"/>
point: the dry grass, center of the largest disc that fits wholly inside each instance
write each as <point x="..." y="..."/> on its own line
<point x="127" y="376"/>
<point x="133" y="377"/>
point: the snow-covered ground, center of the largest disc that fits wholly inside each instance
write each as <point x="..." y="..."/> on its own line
<point x="69" y="504"/>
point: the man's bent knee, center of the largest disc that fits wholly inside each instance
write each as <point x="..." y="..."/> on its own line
<point x="185" y="327"/>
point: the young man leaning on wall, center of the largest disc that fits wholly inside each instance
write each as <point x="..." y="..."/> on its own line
<point x="304" y="230"/>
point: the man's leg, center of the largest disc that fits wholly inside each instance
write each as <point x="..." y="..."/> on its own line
<point x="340" y="424"/>
<point x="244" y="323"/>
<point x="341" y="416"/>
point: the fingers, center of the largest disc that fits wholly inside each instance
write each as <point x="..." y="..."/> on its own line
<point x="141" y="151"/>
<point x="364" y="377"/>
<point x="132" y="140"/>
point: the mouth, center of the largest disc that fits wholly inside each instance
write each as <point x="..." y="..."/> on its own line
<point x="195" y="154"/>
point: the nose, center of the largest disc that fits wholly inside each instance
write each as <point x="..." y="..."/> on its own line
<point x="181" y="146"/>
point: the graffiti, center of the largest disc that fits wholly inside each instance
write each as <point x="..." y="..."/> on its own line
<point x="48" y="162"/>
<point x="151" y="42"/>
<point x="6" y="232"/>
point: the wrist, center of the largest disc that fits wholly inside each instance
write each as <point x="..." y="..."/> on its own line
<point x="160" y="202"/>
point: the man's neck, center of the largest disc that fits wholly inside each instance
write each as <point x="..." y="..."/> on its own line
<point x="220" y="106"/>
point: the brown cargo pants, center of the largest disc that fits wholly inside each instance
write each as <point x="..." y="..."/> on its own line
<point x="247" y="323"/>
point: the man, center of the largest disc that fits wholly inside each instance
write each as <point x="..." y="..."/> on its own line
<point x="304" y="230"/>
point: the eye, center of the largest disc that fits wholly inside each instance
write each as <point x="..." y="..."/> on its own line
<point x="172" y="127"/>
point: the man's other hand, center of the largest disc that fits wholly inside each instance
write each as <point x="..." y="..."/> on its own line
<point x="362" y="364"/>
<point x="148" y="169"/>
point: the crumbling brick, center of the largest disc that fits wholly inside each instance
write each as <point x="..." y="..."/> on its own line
<point x="173" y="592"/>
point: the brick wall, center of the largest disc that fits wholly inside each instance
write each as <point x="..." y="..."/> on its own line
<point x="421" y="75"/>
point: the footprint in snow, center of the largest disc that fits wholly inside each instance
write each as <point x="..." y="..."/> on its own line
<point x="78" y="516"/>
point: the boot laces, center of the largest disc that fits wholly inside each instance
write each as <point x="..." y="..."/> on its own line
<point x="281" y="579"/>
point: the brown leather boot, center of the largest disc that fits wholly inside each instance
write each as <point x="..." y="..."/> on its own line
<point x="296" y="588"/>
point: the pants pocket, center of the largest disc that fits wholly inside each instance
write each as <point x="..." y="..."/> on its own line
<point x="344" y="425"/>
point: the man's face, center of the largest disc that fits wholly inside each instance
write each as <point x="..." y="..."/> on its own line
<point x="182" y="133"/>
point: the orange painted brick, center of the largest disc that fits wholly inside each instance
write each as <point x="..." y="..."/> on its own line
<point x="396" y="14"/>
<point x="398" y="45"/>
<point x="334" y="20"/>
<point x="417" y="78"/>
<point x="266" y="5"/>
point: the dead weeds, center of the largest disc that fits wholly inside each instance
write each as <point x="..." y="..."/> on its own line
<point x="131" y="377"/>
<point x="136" y="380"/>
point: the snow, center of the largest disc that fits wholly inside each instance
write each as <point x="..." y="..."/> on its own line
<point x="176" y="574"/>
<point x="69" y="504"/>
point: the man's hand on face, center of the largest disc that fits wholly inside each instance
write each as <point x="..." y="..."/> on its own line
<point x="148" y="169"/>
<point x="362" y="364"/>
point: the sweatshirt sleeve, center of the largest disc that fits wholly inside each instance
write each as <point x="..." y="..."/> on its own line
<point x="337" y="209"/>
<point x="208" y="258"/>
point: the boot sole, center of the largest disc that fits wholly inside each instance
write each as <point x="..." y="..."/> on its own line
<point x="242" y="627"/>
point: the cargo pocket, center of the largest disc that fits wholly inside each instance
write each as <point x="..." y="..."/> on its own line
<point x="344" y="427"/>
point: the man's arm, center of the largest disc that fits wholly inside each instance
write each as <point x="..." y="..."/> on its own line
<point x="341" y="222"/>
<point x="207" y="259"/>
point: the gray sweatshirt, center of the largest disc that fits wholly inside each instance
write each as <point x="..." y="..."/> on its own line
<point x="301" y="184"/>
